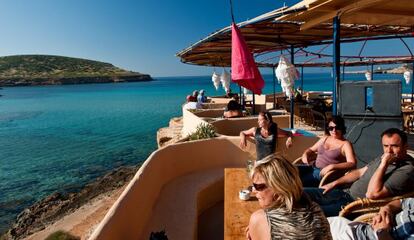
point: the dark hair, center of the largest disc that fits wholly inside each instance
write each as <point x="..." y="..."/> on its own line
<point x="339" y="122"/>
<point x="272" y="125"/>
<point x="233" y="105"/>
<point x="391" y="131"/>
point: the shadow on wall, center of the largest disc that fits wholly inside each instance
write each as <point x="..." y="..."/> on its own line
<point x="129" y="216"/>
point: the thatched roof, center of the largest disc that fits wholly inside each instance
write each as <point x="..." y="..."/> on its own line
<point x="307" y="23"/>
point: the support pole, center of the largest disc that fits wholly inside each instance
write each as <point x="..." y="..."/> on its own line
<point x="412" y="86"/>
<point x="292" y="99"/>
<point x="241" y="99"/>
<point x="336" y="63"/>
<point x="301" y="81"/>
<point x="274" y="88"/>
<point x="372" y="71"/>
<point x="253" y="105"/>
<point x="343" y="71"/>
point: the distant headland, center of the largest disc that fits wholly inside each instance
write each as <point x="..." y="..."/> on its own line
<point x="33" y="70"/>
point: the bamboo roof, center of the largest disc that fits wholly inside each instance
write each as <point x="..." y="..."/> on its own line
<point x="305" y="24"/>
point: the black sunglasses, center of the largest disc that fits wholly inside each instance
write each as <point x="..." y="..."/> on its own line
<point x="330" y="128"/>
<point x="259" y="187"/>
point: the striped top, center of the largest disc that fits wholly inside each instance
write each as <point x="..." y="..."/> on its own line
<point x="405" y="221"/>
<point x="304" y="222"/>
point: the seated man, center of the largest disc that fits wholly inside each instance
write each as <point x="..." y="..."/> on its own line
<point x="387" y="224"/>
<point x="391" y="174"/>
<point x="192" y="104"/>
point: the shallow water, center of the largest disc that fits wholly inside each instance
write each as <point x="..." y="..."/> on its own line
<point x="58" y="138"/>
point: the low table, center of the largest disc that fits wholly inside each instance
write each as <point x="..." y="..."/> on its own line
<point x="237" y="212"/>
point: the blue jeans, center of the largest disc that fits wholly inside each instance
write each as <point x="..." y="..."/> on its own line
<point x="309" y="175"/>
<point x="331" y="202"/>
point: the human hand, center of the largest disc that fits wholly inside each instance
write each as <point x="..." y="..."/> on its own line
<point x="246" y="230"/>
<point x="384" y="218"/>
<point x="328" y="187"/>
<point x="325" y="170"/>
<point x="388" y="158"/>
<point x="289" y="142"/>
<point x="243" y="142"/>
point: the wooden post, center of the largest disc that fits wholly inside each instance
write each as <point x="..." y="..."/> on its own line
<point x="336" y="64"/>
<point x="292" y="99"/>
<point x="274" y="87"/>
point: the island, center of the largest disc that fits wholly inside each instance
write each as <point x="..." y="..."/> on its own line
<point x="33" y="70"/>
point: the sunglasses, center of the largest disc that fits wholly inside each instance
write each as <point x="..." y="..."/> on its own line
<point x="330" y="128"/>
<point x="259" y="187"/>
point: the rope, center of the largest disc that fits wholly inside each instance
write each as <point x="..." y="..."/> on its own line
<point x="231" y="11"/>
<point x="402" y="40"/>
<point x="362" y="48"/>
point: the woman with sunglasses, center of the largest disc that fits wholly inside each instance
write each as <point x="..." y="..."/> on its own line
<point x="334" y="152"/>
<point x="287" y="213"/>
<point x="265" y="135"/>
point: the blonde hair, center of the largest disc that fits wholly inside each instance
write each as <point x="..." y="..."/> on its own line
<point x="282" y="177"/>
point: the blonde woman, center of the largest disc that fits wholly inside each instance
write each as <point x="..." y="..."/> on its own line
<point x="286" y="212"/>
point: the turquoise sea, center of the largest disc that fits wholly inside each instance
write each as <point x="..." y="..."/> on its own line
<point x="58" y="138"/>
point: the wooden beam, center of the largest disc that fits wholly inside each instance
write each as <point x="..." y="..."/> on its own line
<point x="358" y="5"/>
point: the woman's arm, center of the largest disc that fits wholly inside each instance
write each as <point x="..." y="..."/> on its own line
<point x="244" y="134"/>
<point x="283" y="133"/>
<point x="313" y="149"/>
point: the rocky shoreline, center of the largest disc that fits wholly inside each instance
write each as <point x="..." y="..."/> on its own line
<point x="15" y="82"/>
<point x="54" y="207"/>
<point x="57" y="206"/>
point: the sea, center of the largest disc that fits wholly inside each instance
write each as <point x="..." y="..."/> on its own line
<point x="59" y="138"/>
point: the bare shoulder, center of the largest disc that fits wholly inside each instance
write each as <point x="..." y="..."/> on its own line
<point x="258" y="226"/>
<point x="258" y="215"/>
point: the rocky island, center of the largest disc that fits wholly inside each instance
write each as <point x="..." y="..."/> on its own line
<point x="32" y="70"/>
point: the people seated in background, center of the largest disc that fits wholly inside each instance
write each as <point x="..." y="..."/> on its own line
<point x="334" y="153"/>
<point x="298" y="95"/>
<point x="286" y="212"/>
<point x="193" y="97"/>
<point x="265" y="135"/>
<point x="192" y="104"/>
<point x="201" y="98"/>
<point x="229" y="94"/>
<point x="233" y="110"/>
<point x="390" y="174"/>
<point x="393" y="221"/>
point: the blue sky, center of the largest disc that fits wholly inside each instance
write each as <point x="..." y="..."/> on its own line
<point x="137" y="35"/>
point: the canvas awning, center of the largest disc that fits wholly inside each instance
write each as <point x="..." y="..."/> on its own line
<point x="306" y="24"/>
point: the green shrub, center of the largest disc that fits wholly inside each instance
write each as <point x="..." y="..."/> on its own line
<point x="203" y="131"/>
<point x="61" y="235"/>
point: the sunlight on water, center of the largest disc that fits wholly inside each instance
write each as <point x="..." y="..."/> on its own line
<point x="58" y="138"/>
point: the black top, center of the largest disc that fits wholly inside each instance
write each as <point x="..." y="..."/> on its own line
<point x="265" y="146"/>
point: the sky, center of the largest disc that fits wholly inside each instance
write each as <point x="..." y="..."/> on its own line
<point x="137" y="35"/>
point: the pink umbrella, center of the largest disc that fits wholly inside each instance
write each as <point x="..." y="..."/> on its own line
<point x="244" y="71"/>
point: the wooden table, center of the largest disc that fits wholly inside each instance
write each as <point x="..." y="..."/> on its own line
<point x="236" y="212"/>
